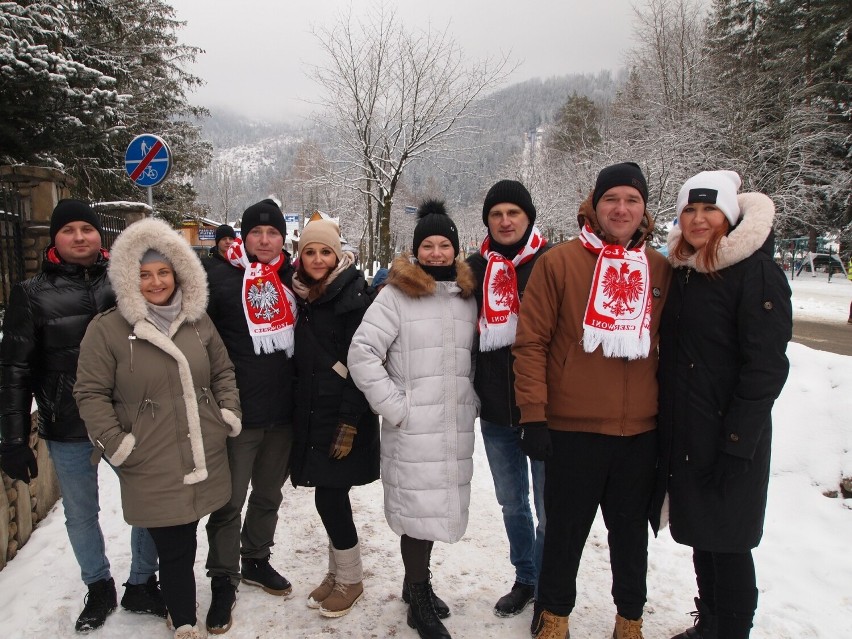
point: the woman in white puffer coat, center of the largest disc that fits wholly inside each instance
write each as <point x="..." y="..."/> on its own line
<point x="412" y="357"/>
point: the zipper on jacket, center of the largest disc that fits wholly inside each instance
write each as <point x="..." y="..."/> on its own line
<point x="131" y="338"/>
<point x="206" y="397"/>
<point x="511" y="421"/>
<point x="624" y="407"/>
<point x="688" y="271"/>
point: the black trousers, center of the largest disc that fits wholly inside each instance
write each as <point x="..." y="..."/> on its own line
<point x="727" y="585"/>
<point x="176" y="546"/>
<point x="335" y="510"/>
<point x="588" y="470"/>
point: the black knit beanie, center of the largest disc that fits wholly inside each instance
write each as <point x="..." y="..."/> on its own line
<point x="264" y="213"/>
<point x="225" y="231"/>
<point x="434" y="221"/>
<point x="67" y="211"/>
<point x="623" y="174"/>
<point x="509" y="191"/>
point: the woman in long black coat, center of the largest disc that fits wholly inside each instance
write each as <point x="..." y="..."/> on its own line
<point x="336" y="436"/>
<point x="723" y="339"/>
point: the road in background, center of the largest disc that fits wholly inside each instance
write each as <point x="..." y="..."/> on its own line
<point x="833" y="337"/>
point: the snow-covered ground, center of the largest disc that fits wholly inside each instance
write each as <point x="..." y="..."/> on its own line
<point x="804" y="563"/>
<point x="818" y="299"/>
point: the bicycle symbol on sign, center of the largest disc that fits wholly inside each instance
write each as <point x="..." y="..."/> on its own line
<point x="150" y="172"/>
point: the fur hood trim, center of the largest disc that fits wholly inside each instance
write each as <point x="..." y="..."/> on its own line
<point x="127" y="252"/>
<point x="758" y="213"/>
<point x="414" y="282"/>
<point x="587" y="213"/>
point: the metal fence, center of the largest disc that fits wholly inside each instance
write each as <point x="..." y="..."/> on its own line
<point x="11" y="248"/>
<point x="111" y="225"/>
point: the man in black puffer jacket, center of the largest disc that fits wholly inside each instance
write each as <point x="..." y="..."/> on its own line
<point x="45" y="321"/>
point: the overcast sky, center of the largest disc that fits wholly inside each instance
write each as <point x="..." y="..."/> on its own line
<point x="257" y="52"/>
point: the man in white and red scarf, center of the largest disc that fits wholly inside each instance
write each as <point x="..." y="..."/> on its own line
<point x="253" y="308"/>
<point x="585" y="381"/>
<point x="502" y="267"/>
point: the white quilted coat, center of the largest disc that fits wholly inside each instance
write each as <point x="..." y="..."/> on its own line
<point x="412" y="357"/>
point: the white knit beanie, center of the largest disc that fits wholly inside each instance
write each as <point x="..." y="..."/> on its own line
<point x="712" y="187"/>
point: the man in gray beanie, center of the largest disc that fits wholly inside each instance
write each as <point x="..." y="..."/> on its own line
<point x="502" y="267"/>
<point x="45" y="322"/>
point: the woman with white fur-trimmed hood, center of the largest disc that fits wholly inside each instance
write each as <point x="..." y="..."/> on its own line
<point x="157" y="392"/>
<point x="723" y="340"/>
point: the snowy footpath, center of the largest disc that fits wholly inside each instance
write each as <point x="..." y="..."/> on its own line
<point x="804" y="563"/>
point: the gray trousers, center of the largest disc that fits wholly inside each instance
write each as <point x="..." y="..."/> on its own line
<point x="262" y="457"/>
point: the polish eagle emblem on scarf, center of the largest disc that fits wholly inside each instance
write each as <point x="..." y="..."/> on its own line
<point x="263" y="299"/>
<point x="505" y="290"/>
<point x="622" y="287"/>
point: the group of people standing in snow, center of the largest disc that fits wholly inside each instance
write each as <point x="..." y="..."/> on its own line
<point x="604" y="376"/>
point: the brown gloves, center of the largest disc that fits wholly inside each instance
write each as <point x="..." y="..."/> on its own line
<point x="341" y="445"/>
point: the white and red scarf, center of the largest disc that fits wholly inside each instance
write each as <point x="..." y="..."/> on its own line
<point x="498" y="320"/>
<point x="270" y="306"/>
<point x="618" y="313"/>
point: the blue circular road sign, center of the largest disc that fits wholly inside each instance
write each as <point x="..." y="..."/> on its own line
<point x="147" y="160"/>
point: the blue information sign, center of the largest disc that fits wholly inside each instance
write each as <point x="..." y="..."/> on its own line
<point x="147" y="160"/>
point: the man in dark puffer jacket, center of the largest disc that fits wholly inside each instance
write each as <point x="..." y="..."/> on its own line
<point x="45" y="321"/>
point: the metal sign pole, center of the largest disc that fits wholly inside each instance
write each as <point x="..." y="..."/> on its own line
<point x="151" y="198"/>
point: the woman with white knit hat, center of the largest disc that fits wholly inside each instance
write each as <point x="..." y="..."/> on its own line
<point x="723" y="337"/>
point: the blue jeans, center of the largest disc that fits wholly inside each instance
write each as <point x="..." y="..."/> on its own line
<point x="510" y="469"/>
<point x="78" y="481"/>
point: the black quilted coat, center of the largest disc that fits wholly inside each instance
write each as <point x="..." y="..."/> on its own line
<point x="45" y="322"/>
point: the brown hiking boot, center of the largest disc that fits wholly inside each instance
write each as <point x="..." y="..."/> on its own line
<point x="322" y="591"/>
<point x="341" y="599"/>
<point x="627" y="628"/>
<point x="547" y="625"/>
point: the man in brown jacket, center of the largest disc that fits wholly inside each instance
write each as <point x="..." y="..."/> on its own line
<point x="585" y="381"/>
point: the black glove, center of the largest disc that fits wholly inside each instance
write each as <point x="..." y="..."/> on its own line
<point x="18" y="461"/>
<point x="535" y="441"/>
<point x="727" y="467"/>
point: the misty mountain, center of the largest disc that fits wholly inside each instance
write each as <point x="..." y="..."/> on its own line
<point x="253" y="158"/>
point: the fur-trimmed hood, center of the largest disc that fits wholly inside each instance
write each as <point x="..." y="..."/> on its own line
<point x="587" y="213"/>
<point x="758" y="214"/>
<point x="127" y="252"/>
<point x="412" y="280"/>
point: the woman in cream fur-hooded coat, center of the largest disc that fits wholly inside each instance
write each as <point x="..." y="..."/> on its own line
<point x="159" y="406"/>
<point x="412" y="359"/>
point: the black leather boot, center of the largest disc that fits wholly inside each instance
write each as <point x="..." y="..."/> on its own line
<point x="704" y="626"/>
<point x="421" y="613"/>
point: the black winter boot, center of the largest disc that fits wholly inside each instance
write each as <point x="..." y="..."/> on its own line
<point x="100" y="601"/>
<point x="514" y="603"/>
<point x="144" y="598"/>
<point x="259" y="572"/>
<point x="704" y="623"/>
<point x="221" y="604"/>
<point x="421" y="613"/>
<point x="441" y="608"/>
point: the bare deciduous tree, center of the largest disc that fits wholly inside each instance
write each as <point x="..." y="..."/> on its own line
<point x="393" y="96"/>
